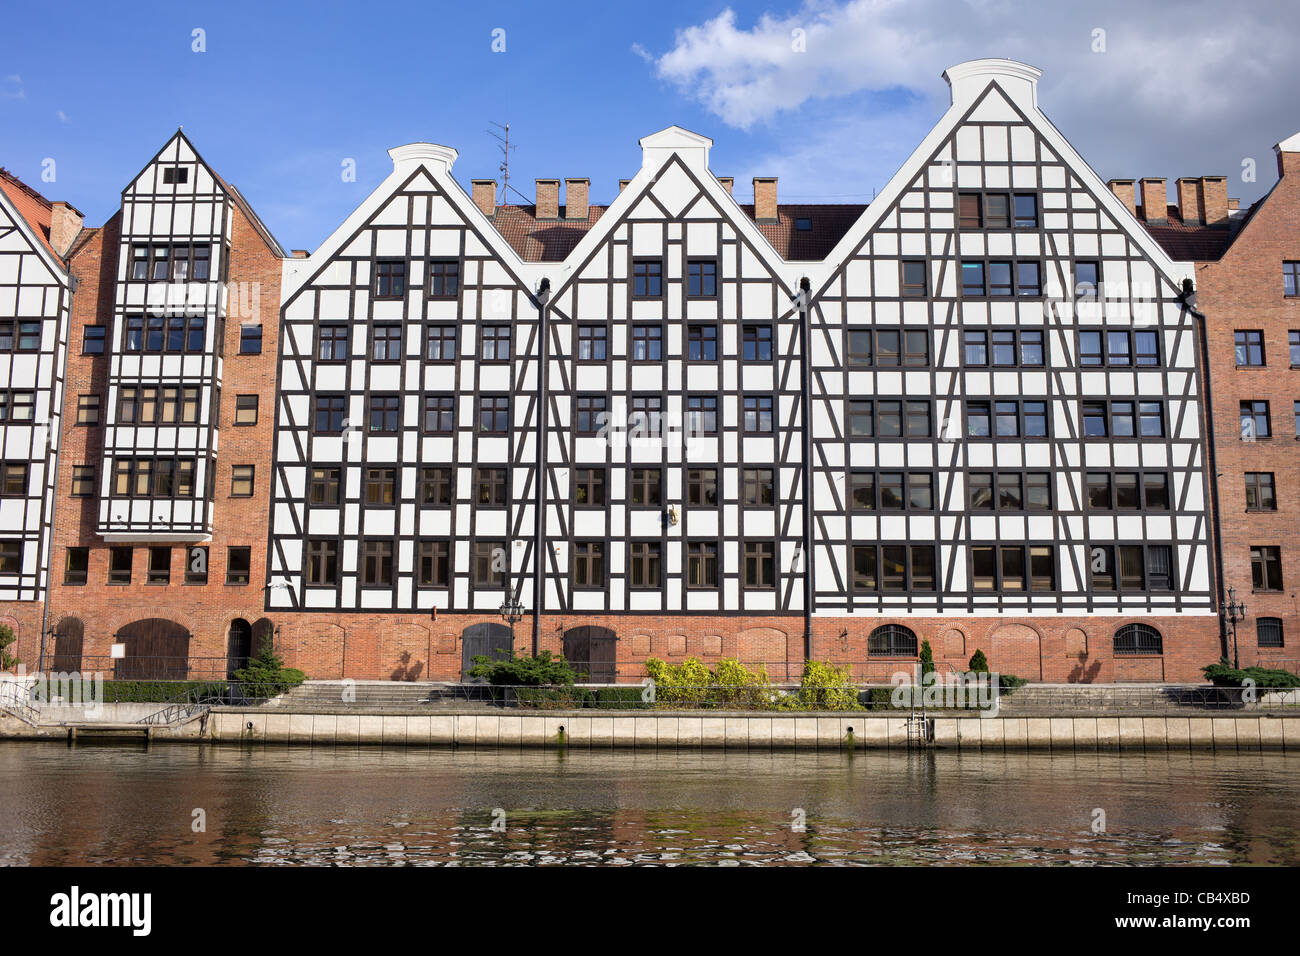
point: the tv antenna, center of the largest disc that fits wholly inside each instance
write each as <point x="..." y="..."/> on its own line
<point x="505" y="146"/>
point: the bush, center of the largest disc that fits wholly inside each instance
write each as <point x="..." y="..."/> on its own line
<point x="621" y="698"/>
<point x="7" y="637"/>
<point x="266" y="676"/>
<point x="927" y="660"/>
<point x="544" y="669"/>
<point x="555" y="698"/>
<point x="135" y="691"/>
<point x="880" y="698"/>
<point x="979" y="664"/>
<point x="1009" y="682"/>
<point x="824" y="687"/>
<point x="1223" y="674"/>
<point x="684" y="683"/>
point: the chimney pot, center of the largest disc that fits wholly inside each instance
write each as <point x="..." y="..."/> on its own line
<point x="548" y="199"/>
<point x="1124" y="192"/>
<point x="65" y="226"/>
<point x="485" y="195"/>
<point x="765" y="199"/>
<point x="728" y="183"/>
<point x="575" y="199"/>
<point x="1214" y="199"/>
<point x="1155" y="200"/>
<point x="1189" y="201"/>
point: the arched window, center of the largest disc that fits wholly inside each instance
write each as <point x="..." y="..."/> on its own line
<point x="892" y="640"/>
<point x="1269" y="631"/>
<point x="1138" y="639"/>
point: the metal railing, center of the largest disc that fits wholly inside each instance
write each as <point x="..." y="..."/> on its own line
<point x="16" y="699"/>
<point x="155" y="668"/>
<point x="195" y="701"/>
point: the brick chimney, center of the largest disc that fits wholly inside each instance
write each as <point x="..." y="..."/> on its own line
<point x="727" y="182"/>
<point x="1234" y="205"/>
<point x="1214" y="199"/>
<point x="485" y="195"/>
<point x="1124" y="192"/>
<point x="65" y="226"/>
<point x="1189" y="201"/>
<point x="548" y="199"/>
<point x="300" y="254"/>
<point x="575" y="198"/>
<point x="622" y="184"/>
<point x="765" y="199"/>
<point x="1288" y="155"/>
<point x="1155" y="200"/>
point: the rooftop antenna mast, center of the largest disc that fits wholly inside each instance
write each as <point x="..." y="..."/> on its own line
<point x="505" y="146"/>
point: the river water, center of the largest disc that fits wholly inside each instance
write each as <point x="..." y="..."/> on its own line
<point x="181" y="804"/>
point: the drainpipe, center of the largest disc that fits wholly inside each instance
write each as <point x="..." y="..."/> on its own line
<point x="1188" y="301"/>
<point x="543" y="300"/>
<point x="803" y="301"/>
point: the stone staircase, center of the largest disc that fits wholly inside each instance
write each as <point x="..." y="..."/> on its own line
<point x="1111" y="699"/>
<point x="390" y="696"/>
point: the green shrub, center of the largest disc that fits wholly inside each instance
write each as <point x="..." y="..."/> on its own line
<point x="684" y="683"/>
<point x="1223" y="674"/>
<point x="265" y="676"/>
<point x="1009" y="682"/>
<point x="927" y="660"/>
<point x="7" y="637"/>
<point x="555" y="698"/>
<point x="824" y="687"/>
<point x="979" y="664"/>
<point x="622" y="698"/>
<point x="544" y="669"/>
<point x="880" y="698"/>
<point x="135" y="691"/>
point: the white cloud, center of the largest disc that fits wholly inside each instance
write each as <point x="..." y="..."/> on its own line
<point x="11" y="88"/>
<point x="1184" y="94"/>
<point x="63" y="117"/>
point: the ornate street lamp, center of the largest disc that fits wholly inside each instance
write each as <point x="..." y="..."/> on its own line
<point x="1232" y="612"/>
<point x="512" y="612"/>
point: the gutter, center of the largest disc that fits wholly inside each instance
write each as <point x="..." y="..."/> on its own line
<point x="803" y="303"/>
<point x="543" y="299"/>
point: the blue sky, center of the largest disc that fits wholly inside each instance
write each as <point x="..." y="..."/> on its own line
<point x="286" y="91"/>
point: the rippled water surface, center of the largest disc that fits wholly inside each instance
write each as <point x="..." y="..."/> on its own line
<point x="131" y="805"/>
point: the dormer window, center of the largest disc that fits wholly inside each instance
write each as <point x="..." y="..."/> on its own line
<point x="173" y="175"/>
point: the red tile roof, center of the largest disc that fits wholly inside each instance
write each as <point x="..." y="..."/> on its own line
<point x="30" y="204"/>
<point x="1185" y="242"/>
<point x="552" y="240"/>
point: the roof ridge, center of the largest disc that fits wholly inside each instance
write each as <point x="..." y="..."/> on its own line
<point x="24" y="187"/>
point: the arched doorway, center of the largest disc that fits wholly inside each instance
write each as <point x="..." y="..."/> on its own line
<point x="593" y="650"/>
<point x="239" y="646"/>
<point x="68" y="638"/>
<point x="487" y="639"/>
<point x="156" y="649"/>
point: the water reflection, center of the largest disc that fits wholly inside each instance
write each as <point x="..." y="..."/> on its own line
<point x="275" y="806"/>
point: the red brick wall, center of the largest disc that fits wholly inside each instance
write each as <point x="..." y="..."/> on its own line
<point x="205" y="610"/>
<point x="1243" y="290"/>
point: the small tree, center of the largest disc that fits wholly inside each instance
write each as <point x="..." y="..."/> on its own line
<point x="266" y="675"/>
<point x="927" y="659"/>
<point x="7" y="637"/>
<point x="979" y="664"/>
<point x="543" y="670"/>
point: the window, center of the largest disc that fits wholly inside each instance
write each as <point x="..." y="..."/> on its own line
<point x="119" y="565"/>
<point x="250" y="340"/>
<point x="493" y="414"/>
<point x="645" y="565"/>
<point x="589" y="487"/>
<point x="997" y="211"/>
<point x="1007" y="419"/>
<point x="494" y="343"/>
<point x="381" y="486"/>
<point x="1004" y="347"/>
<point x="196" y="566"/>
<point x="891" y="640"/>
<point x="1028" y="282"/>
<point x="28" y="335"/>
<point x="1135" y="640"/>
<point x="239" y="563"/>
<point x="444" y="278"/>
<point x="1291" y="278"/>
<point x="914" y="278"/>
<point x="588" y="564"/>
<point x="13" y="479"/>
<point x="702" y="414"/>
<point x="647" y="278"/>
<point x="1094" y="420"/>
<point x="757" y="414"/>
<point x="1293" y="340"/>
<point x="1151" y="419"/>
<point x="591" y="414"/>
<point x="92" y="340"/>
<point x="702" y="278"/>
<point x="802" y="224"/>
<point x="1266" y="568"/>
<point x="646" y="418"/>
<point x="1260" y="495"/>
<point x="440" y="343"/>
<point x="1248" y="347"/>
<point x="756" y="343"/>
<point x="976" y="346"/>
<point x="241" y="481"/>
<point x="1026" y="207"/>
<point x="17" y="406"/>
<point x="488" y="564"/>
<point x="435" y="487"/>
<point x="646" y="490"/>
<point x="376" y="563"/>
<point x="756" y="487"/>
<point x="83" y="481"/>
<point x="893" y="568"/>
<point x="970" y="211"/>
<point x="439" y="414"/>
<point x="593" y="343"/>
<point x="151" y="404"/>
<point x="322" y="562"/>
<point x="153" y="477"/>
<point x="385" y="413"/>
<point x="1013" y="568"/>
<point x="647" y="343"/>
<point x="332" y="343"/>
<point x="433" y="564"/>
<point x="323" y="487"/>
<point x="390" y="279"/>
<point x="701" y="564"/>
<point x="1087" y="280"/>
<point x="1255" y="421"/>
<point x="702" y="343"/>
<point x="76" y="568"/>
<point x="1268" y="632"/>
<point x="702" y="487"/>
<point x="491" y="488"/>
<point x="173" y="175"/>
<point x="1295" y="412"/>
<point x="11" y="557"/>
<point x="999" y="278"/>
<point x="972" y="279"/>
<point x="386" y="343"/>
<point x="1132" y="567"/>
<point x="87" y="410"/>
<point x="160" y="566"/>
<point x="760" y="565"/>
<point x="246" y="409"/>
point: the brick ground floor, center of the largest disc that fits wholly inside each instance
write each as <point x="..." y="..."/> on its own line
<point x="416" y="647"/>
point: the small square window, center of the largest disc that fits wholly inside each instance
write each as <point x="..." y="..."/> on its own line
<point x="77" y="566"/>
<point x="241" y="481"/>
<point x="196" y="566"/>
<point x="93" y="338"/>
<point x="160" y="565"/>
<point x="119" y="565"/>
<point x="250" y="340"/>
<point x="238" y="565"/>
<point x="83" y="481"/>
<point x="246" y="409"/>
<point x="173" y="175"/>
